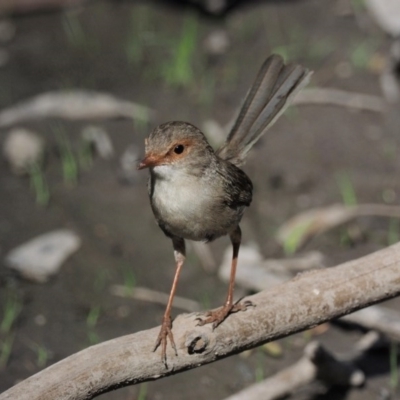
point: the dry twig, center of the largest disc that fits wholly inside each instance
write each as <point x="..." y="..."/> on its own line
<point x="73" y="105"/>
<point x="145" y="294"/>
<point x="337" y="97"/>
<point x="300" y="228"/>
<point x="381" y="319"/>
<point x="257" y="274"/>
<point x="205" y="256"/>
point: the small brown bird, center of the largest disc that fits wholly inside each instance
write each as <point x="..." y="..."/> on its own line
<point x="200" y="194"/>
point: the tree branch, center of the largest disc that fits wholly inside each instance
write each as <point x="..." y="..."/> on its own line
<point x="307" y="300"/>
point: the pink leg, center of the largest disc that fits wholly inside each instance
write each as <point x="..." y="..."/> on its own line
<point x="166" y="326"/>
<point x="219" y="315"/>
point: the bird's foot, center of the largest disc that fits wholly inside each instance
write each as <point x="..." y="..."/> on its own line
<point x="163" y="336"/>
<point x="220" y="314"/>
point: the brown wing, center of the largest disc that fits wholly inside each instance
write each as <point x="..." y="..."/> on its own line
<point x="237" y="185"/>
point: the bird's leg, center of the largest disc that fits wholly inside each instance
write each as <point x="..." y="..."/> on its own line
<point x="219" y="315"/>
<point x="166" y="326"/>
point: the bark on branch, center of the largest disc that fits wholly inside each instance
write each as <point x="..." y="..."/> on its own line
<point x="308" y="300"/>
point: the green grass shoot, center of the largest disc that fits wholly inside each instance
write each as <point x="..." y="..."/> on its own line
<point x="393" y="233"/>
<point x="42" y="356"/>
<point x="6" y="346"/>
<point x="11" y="310"/>
<point x="205" y="301"/>
<point x="91" y="322"/>
<point x="140" y="36"/>
<point x="142" y="391"/>
<point x="259" y="370"/>
<point x="39" y="184"/>
<point x="179" y="70"/>
<point x="85" y="155"/>
<point x="93" y="337"/>
<point x="129" y="278"/>
<point x="346" y="188"/>
<point x="362" y="52"/>
<point x="292" y="242"/>
<point x="68" y="160"/>
<point x="93" y="317"/>
<point x="394" y="367"/>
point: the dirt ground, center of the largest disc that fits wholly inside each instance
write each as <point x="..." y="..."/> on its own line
<point x="128" y="49"/>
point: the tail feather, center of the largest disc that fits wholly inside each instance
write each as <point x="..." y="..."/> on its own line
<point x="273" y="90"/>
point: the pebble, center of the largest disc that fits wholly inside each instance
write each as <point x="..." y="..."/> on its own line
<point x="99" y="139"/>
<point x="387" y="15"/>
<point x="217" y="42"/>
<point x="40" y="320"/>
<point x="215" y="7"/>
<point x="22" y="149"/>
<point x="43" y="256"/>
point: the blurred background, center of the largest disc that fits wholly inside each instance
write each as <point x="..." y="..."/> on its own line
<point x="82" y="83"/>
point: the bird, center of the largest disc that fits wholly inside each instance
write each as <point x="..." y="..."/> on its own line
<point x="200" y="194"/>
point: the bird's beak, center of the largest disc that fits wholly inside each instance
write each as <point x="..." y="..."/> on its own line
<point x="150" y="160"/>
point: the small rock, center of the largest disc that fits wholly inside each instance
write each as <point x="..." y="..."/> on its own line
<point x="215" y="7"/>
<point x="43" y="256"/>
<point x="40" y="320"/>
<point x="99" y="139"/>
<point x="217" y="42"/>
<point x="387" y="15"/>
<point x="22" y="149"/>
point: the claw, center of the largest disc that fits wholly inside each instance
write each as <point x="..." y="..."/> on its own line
<point x="162" y="339"/>
<point x="220" y="314"/>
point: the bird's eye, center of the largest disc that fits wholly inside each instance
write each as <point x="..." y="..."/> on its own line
<point x="179" y="148"/>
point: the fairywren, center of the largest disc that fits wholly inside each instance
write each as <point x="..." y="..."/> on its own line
<point x="200" y="194"/>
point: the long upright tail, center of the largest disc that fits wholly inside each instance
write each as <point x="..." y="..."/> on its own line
<point x="273" y="90"/>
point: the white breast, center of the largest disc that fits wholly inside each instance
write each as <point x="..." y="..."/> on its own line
<point x="187" y="206"/>
<point x="176" y="192"/>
